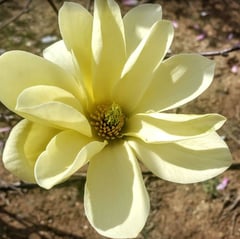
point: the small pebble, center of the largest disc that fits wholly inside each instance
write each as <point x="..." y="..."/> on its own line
<point x="130" y="2"/>
<point x="175" y="24"/>
<point x="200" y="37"/>
<point x="234" y="69"/>
<point x="48" y="39"/>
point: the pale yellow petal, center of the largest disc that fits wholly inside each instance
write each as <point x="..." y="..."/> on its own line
<point x="187" y="161"/>
<point x="25" y="143"/>
<point x="115" y="200"/>
<point x="20" y="70"/>
<point x="166" y="127"/>
<point x="41" y="94"/>
<point x="177" y="81"/>
<point x="108" y="46"/>
<point x="53" y="106"/>
<point x="66" y="153"/>
<point x="139" y="69"/>
<point x="138" y="22"/>
<point x="60" y="55"/>
<point x="75" y="24"/>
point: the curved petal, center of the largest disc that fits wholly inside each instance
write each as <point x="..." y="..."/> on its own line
<point x="116" y="201"/>
<point x="66" y="153"/>
<point x="160" y="127"/>
<point x="52" y="106"/>
<point x="139" y="69"/>
<point x="60" y="55"/>
<point x="20" y="70"/>
<point x="41" y="94"/>
<point x="177" y="81"/>
<point x="187" y="161"/>
<point x="25" y="143"/>
<point x="75" y="24"/>
<point x="108" y="46"/>
<point x="137" y="23"/>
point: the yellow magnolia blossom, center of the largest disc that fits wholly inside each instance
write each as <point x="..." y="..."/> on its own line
<point x="99" y="97"/>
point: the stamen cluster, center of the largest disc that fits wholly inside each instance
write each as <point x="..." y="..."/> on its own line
<point x="108" y="121"/>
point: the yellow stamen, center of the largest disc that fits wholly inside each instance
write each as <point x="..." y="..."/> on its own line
<point x="108" y="121"/>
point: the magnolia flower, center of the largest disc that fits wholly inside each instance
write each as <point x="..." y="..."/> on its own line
<point x="99" y="97"/>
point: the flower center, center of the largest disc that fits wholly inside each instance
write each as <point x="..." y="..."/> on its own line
<point x="108" y="121"/>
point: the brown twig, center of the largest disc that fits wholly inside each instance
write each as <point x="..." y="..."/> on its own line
<point x="22" y="185"/>
<point x="234" y="220"/>
<point x="53" y="6"/>
<point x="24" y="10"/>
<point x="90" y="2"/>
<point x="224" y="52"/>
<point x="2" y="1"/>
<point x="235" y="166"/>
<point x="221" y="53"/>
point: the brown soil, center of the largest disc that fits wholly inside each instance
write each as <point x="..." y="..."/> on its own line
<point x="194" y="211"/>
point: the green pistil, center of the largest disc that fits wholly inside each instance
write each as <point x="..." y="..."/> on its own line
<point x="113" y="115"/>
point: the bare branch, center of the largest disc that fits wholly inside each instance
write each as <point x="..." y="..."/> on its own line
<point x="24" y="10"/>
<point x="51" y="3"/>
<point x="221" y="53"/>
<point x="224" y="52"/>
<point x="90" y="2"/>
<point x="235" y="166"/>
<point x="2" y="1"/>
<point x="22" y="185"/>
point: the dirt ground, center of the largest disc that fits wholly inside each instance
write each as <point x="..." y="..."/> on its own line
<point x="196" y="211"/>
